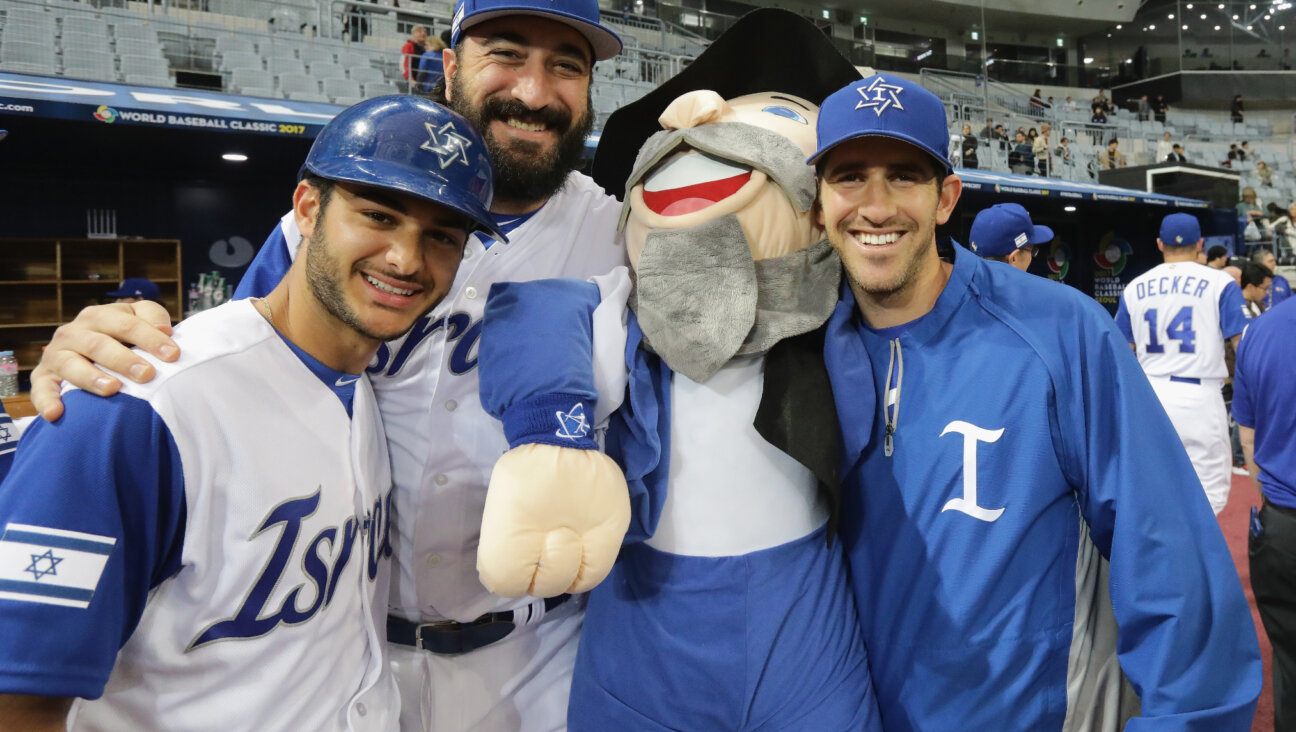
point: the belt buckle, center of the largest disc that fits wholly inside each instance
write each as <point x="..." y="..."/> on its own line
<point x="437" y="626"/>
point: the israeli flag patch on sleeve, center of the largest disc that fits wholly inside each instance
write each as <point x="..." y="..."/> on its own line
<point x="51" y="566"/>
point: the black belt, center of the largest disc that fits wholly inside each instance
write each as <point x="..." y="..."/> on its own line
<point x="1186" y="380"/>
<point x="450" y="638"/>
<point x="1280" y="509"/>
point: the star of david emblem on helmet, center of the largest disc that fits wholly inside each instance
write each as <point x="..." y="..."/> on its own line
<point x="447" y="143"/>
<point x="879" y="96"/>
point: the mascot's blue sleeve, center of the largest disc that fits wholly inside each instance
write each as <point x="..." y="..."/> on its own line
<point x="1186" y="640"/>
<point x="267" y="268"/>
<point x="535" y="361"/>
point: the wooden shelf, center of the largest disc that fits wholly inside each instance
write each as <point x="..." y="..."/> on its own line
<point x="46" y="282"/>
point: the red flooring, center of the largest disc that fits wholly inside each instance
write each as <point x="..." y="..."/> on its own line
<point x="1233" y="521"/>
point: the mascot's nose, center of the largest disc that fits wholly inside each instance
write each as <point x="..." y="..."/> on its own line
<point x="693" y="110"/>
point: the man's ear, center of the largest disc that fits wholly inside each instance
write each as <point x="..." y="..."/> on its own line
<point x="450" y="64"/>
<point x="951" y="189"/>
<point x="306" y="208"/>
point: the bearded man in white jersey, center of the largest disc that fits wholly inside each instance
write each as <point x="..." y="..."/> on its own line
<point x="520" y="70"/>
<point x="1176" y="317"/>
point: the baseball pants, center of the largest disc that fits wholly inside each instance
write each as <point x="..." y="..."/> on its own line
<point x="1198" y="415"/>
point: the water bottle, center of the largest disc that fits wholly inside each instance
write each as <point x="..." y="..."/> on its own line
<point x="8" y="374"/>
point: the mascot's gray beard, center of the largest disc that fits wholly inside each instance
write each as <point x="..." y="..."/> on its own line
<point x="701" y="299"/>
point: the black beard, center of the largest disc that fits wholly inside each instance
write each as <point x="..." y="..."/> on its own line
<point x="522" y="172"/>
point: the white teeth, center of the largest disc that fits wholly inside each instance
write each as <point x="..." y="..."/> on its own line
<point x="528" y="126"/>
<point x="878" y="239"/>
<point x="387" y="288"/>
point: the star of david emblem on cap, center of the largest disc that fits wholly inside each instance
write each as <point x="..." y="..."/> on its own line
<point x="879" y="96"/>
<point x="447" y="143"/>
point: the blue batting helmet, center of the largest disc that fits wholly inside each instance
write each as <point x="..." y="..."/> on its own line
<point x="410" y="145"/>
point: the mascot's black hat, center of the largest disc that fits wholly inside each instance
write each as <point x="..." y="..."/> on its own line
<point x="766" y="50"/>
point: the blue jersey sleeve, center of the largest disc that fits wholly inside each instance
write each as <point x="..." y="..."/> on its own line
<point x="1232" y="318"/>
<point x="1244" y="411"/>
<point x="8" y="442"/>
<point x="92" y="518"/>
<point x="1187" y="641"/>
<point x="535" y="361"/>
<point x="1123" y="321"/>
<point x="267" y="268"/>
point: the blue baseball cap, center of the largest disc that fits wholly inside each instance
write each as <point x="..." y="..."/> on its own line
<point x="1180" y="230"/>
<point x="1003" y="229"/>
<point x="140" y="287"/>
<point x="583" y="15"/>
<point x="884" y="106"/>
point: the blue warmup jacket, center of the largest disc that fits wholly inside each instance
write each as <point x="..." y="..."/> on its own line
<point x="1024" y="436"/>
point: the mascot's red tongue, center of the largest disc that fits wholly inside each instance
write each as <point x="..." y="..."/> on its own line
<point x="680" y="201"/>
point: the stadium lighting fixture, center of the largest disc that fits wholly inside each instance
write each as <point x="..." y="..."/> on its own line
<point x="234" y="157"/>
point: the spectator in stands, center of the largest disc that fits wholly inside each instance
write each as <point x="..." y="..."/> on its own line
<point x="431" y="68"/>
<point x="1164" y="147"/>
<point x="1049" y="102"/>
<point x="988" y="132"/>
<point x="1280" y="288"/>
<point x="1159" y="109"/>
<point x="1236" y="109"/>
<point x="1021" y="159"/>
<point x="1042" y="150"/>
<point x="1101" y="101"/>
<point x="1244" y="151"/>
<point x="1284" y="230"/>
<point x="1232" y="153"/>
<point x="1062" y="154"/>
<point x="1070" y="105"/>
<point x="412" y="51"/>
<point x="1264" y="173"/>
<point x="1256" y="279"/>
<point x="1249" y="208"/>
<point x="1216" y="257"/>
<point x="969" y="148"/>
<point x="1176" y="154"/>
<point x="1099" y="114"/>
<point x="1001" y="136"/>
<point x="355" y="23"/>
<point x="1037" y="104"/>
<point x="1205" y="52"/>
<point x="1112" y="158"/>
<point x="1031" y="134"/>
<point x="1143" y="109"/>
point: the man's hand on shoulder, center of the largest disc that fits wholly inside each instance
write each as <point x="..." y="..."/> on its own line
<point x="101" y="334"/>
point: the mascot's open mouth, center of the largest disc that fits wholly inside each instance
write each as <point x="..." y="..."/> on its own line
<point x="691" y="182"/>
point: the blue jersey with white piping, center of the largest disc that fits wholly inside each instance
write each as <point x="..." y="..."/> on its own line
<point x="1025" y="441"/>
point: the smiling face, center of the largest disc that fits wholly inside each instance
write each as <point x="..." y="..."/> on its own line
<point x="524" y="83"/>
<point x="377" y="260"/>
<point x="690" y="187"/>
<point x="880" y="203"/>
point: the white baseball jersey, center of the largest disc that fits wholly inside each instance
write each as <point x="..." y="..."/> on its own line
<point x="443" y="447"/>
<point x="208" y="551"/>
<point x="1178" y="315"/>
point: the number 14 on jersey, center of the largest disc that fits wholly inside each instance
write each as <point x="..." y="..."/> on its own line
<point x="1179" y="328"/>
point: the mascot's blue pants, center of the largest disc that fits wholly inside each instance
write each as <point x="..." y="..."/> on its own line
<point x="763" y="641"/>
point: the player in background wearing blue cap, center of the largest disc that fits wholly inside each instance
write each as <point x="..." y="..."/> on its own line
<point x="209" y="551"/>
<point x="1176" y="317"/>
<point x="1263" y="391"/>
<point x="1000" y="441"/>
<point x="466" y="659"/>
<point x="1004" y="232"/>
<point x="135" y="289"/>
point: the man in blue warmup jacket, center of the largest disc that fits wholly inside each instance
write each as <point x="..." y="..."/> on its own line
<point x="1001" y="442"/>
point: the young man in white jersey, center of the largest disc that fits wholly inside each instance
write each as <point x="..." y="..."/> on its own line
<point x="210" y="551"/>
<point x="466" y="659"/>
<point x="1176" y="317"/>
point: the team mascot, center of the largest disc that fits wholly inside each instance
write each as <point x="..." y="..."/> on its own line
<point x="728" y="606"/>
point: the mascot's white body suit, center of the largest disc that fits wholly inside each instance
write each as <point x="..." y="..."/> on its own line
<point x="728" y="607"/>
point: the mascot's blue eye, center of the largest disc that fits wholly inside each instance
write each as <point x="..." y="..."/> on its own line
<point x="785" y="112"/>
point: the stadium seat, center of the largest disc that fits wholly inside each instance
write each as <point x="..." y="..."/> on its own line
<point x="145" y="70"/>
<point x="142" y="31"/>
<point x="365" y="74"/>
<point x="87" y="24"/>
<point x="327" y="71"/>
<point x="379" y="88"/>
<point x="278" y="65"/>
<point x="243" y="79"/>
<point x="28" y="53"/>
<point x="253" y="91"/>
<point x="233" y="60"/>
<point x="101" y="70"/>
<point x="290" y="83"/>
<point x="138" y="47"/>
<point x="317" y="55"/>
<point x="342" y="88"/>
<point x="225" y="44"/>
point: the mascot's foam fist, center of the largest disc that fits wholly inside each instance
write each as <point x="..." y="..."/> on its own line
<point x="554" y="520"/>
<point x="556" y="508"/>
